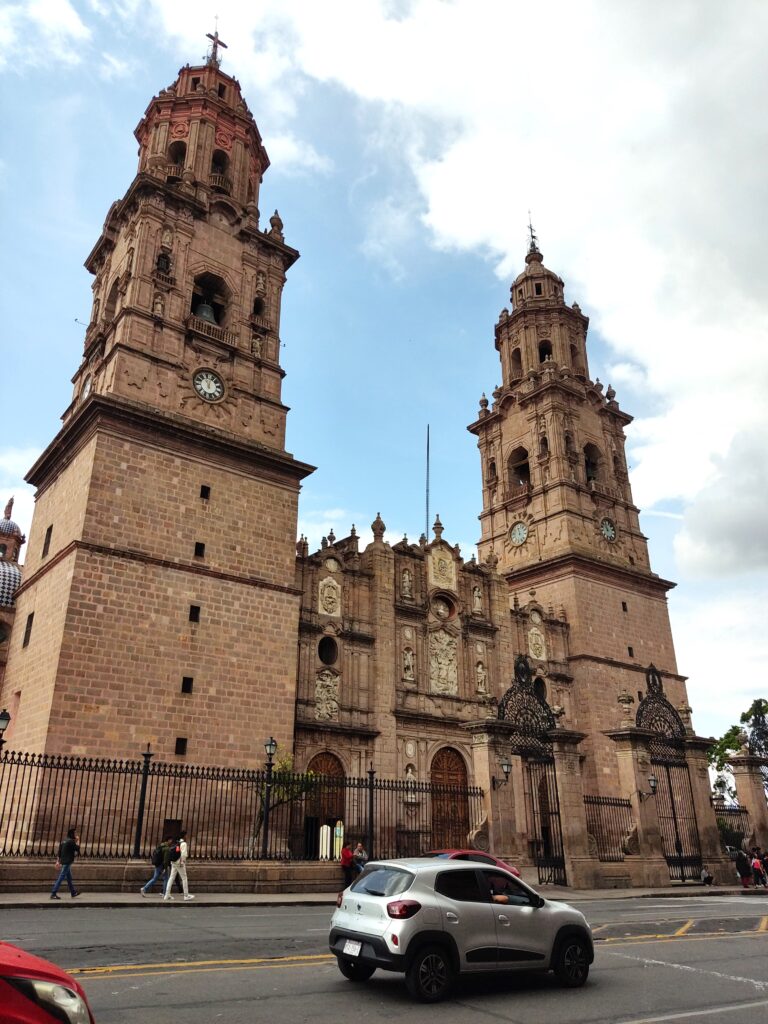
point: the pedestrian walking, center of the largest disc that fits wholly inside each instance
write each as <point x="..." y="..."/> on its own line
<point x="744" y="868"/>
<point x="758" y="875"/>
<point x="347" y="863"/>
<point x="158" y="859"/>
<point x="178" y="852"/>
<point x="69" y="848"/>
<point x="360" y="857"/>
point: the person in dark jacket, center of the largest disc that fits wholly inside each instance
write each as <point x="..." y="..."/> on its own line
<point x="68" y="850"/>
<point x="159" y="857"/>
<point x="347" y="863"/>
<point x="744" y="868"/>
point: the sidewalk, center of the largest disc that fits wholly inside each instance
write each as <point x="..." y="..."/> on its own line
<point x="553" y="892"/>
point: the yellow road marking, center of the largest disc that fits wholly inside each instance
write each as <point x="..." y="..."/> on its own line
<point x="706" y="937"/>
<point x="600" y="928"/>
<point x="763" y="926"/>
<point x="684" y="928"/>
<point x="115" y="968"/>
<point x="202" y="970"/>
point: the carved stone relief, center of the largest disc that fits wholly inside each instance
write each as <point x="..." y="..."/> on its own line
<point x="443" y="673"/>
<point x="408" y="665"/>
<point x="326" y="695"/>
<point x="406" y="586"/>
<point x="481" y="678"/>
<point x="329" y="597"/>
<point x="477" y="599"/>
<point x="537" y="647"/>
<point x="442" y="569"/>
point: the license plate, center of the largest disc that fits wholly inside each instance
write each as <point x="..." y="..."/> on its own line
<point x="352" y="948"/>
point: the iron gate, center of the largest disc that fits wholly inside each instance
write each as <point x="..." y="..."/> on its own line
<point x="677" y="819"/>
<point x="543" y="810"/>
<point x="674" y="795"/>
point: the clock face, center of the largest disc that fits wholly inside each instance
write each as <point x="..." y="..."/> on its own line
<point x="519" y="533"/>
<point x="608" y="529"/>
<point x="86" y="389"/>
<point x="208" y="385"/>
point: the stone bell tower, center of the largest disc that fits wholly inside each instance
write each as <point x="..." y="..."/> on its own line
<point x="558" y="515"/>
<point x="158" y="601"/>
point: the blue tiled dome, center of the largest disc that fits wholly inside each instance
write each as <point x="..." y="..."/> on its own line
<point x="8" y="526"/>
<point x="10" y="578"/>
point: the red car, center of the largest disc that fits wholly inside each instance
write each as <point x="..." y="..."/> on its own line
<point x="34" y="991"/>
<point x="478" y="855"/>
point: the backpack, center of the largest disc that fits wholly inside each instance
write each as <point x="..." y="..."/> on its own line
<point x="158" y="856"/>
<point x="175" y="852"/>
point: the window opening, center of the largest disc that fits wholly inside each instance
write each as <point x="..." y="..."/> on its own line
<point x="47" y="541"/>
<point x="181" y="745"/>
<point x="591" y="462"/>
<point x="205" y="492"/>
<point x="195" y="83"/>
<point x="210" y="298"/>
<point x="543" y="445"/>
<point x="222" y="90"/>
<point x="194" y="613"/>
<point x="328" y="650"/>
<point x="537" y="288"/>
<point x="258" y="307"/>
<point x="199" y="549"/>
<point x="28" y="629"/>
<point x="517" y="364"/>
<point x="518" y="469"/>
<point x="110" y="307"/>
<point x="545" y="351"/>
<point x="624" y="606"/>
<point x="186" y="684"/>
<point x="631" y="652"/>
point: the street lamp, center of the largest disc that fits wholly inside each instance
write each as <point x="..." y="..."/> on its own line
<point x="5" y="720"/>
<point x="653" y="782"/>
<point x="270" y="747"/>
<point x="506" y="766"/>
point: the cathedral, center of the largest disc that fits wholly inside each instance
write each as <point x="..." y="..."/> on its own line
<point x="164" y="589"/>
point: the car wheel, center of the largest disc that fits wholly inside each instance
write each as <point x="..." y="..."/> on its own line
<point x="571" y="962"/>
<point x="354" y="970"/>
<point x="430" y="976"/>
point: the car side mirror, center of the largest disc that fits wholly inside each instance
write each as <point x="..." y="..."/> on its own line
<point x="538" y="901"/>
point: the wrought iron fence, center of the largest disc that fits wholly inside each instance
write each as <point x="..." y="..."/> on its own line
<point x="123" y="808"/>
<point x="609" y="820"/>
<point x="733" y="824"/>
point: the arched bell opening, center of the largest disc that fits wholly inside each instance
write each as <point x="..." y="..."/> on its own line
<point x="592" y="463"/>
<point x="210" y="299"/>
<point x="518" y="468"/>
<point x="177" y="154"/>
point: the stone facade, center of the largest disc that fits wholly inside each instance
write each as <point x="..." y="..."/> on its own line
<point x="164" y="593"/>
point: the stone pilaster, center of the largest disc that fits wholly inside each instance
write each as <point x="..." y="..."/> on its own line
<point x="582" y="870"/>
<point x="504" y="802"/>
<point x="750" y="789"/>
<point x="709" y="835"/>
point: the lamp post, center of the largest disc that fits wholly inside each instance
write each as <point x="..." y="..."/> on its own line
<point x="270" y="747"/>
<point x="506" y="766"/>
<point x="5" y="720"/>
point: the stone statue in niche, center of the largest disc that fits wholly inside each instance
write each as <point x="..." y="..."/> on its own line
<point x="411" y="795"/>
<point x="477" y="599"/>
<point x="166" y="240"/>
<point x="329" y="597"/>
<point x="158" y="305"/>
<point x="326" y="695"/>
<point x="481" y="678"/>
<point x="261" y="283"/>
<point x="408" y="664"/>
<point x="256" y="346"/>
<point x="406" y="587"/>
<point x="443" y="671"/>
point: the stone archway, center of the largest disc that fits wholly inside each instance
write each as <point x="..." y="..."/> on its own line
<point x="450" y="805"/>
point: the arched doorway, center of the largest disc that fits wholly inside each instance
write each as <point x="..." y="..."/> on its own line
<point x="450" y="806"/>
<point x="325" y="803"/>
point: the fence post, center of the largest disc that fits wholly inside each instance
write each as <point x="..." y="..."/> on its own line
<point x="147" y="755"/>
<point x="371" y="823"/>
<point x="267" y="797"/>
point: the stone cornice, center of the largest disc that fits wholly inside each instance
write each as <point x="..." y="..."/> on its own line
<point x="304" y="726"/>
<point x="132" y="555"/>
<point x="163" y="430"/>
<point x="625" y="665"/>
<point x="567" y="564"/>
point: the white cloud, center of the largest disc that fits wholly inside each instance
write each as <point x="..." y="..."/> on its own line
<point x="112" y="67"/>
<point x="37" y="32"/>
<point x="293" y="156"/>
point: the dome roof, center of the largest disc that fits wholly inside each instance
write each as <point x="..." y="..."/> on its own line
<point x="10" y="578"/>
<point x="534" y="267"/>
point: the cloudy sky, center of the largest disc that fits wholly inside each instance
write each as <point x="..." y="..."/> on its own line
<point x="409" y="139"/>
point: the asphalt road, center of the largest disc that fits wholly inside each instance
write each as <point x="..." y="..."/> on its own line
<point x="683" y="960"/>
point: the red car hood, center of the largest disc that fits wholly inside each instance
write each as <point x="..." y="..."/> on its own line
<point x="19" y="964"/>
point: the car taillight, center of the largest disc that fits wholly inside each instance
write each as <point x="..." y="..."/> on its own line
<point x="403" y="908"/>
<point x="339" y="898"/>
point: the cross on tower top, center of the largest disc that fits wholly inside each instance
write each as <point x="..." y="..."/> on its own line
<point x="534" y="243"/>
<point x="213" y="56"/>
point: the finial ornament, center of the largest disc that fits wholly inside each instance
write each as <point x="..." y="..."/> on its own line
<point x="8" y="509"/>
<point x="533" y="245"/>
<point x="213" y="56"/>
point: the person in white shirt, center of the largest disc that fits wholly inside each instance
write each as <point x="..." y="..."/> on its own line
<point x="180" y="851"/>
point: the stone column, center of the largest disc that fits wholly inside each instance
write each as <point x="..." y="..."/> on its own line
<point x="504" y="802"/>
<point x="750" y="788"/>
<point x="712" y="854"/>
<point x="645" y="862"/>
<point x="581" y="869"/>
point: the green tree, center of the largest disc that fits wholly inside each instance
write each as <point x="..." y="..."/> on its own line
<point x="752" y="733"/>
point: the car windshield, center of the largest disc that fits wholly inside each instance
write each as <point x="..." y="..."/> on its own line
<point x="383" y="881"/>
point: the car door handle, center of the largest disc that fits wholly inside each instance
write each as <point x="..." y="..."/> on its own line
<point x="503" y="919"/>
<point x="450" y="917"/>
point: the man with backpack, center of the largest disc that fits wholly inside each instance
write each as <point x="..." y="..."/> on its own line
<point x="68" y="850"/>
<point x="158" y="863"/>
<point x="177" y="859"/>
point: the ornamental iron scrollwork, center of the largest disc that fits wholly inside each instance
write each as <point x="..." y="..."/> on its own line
<point x="529" y="714"/>
<point x="656" y="714"/>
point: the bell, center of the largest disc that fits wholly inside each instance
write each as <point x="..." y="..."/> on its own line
<point x="205" y="312"/>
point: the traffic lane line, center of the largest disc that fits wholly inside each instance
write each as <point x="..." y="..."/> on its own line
<point x="272" y="966"/>
<point x="647" y="961"/>
<point x="112" y="969"/>
<point x="682" y="1015"/>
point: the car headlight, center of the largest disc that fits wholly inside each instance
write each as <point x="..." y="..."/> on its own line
<point x="60" y="1001"/>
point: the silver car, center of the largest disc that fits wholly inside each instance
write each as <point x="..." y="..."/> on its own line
<point x="435" y="919"/>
